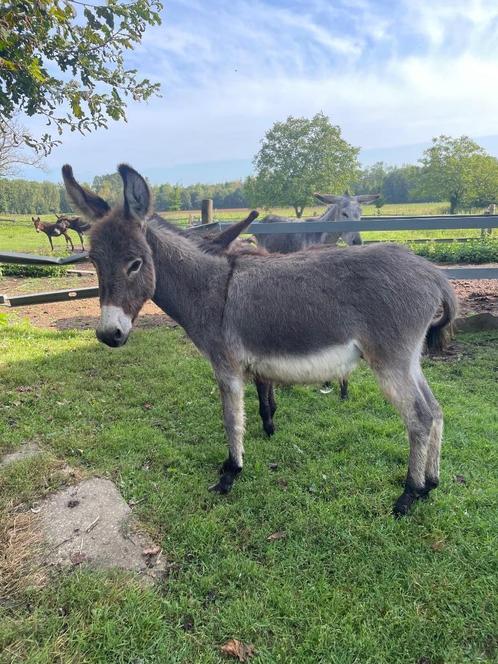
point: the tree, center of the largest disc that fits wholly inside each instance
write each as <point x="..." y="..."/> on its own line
<point x="109" y="187"/>
<point x="64" y="60"/>
<point x="458" y="170"/>
<point x="298" y="157"/>
<point x="371" y="179"/>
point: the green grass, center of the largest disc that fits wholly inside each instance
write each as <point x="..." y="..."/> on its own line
<point x="20" y="234"/>
<point x="347" y="584"/>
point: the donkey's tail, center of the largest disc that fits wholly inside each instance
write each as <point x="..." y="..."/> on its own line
<point x="439" y="332"/>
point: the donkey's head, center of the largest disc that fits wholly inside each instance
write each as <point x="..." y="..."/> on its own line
<point x="119" y="251"/>
<point x="36" y="221"/>
<point x="348" y="207"/>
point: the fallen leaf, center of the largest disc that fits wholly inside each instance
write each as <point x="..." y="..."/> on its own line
<point x="235" y="648"/>
<point x="147" y="406"/>
<point x="273" y="466"/>
<point x="77" y="557"/>
<point x="459" y="479"/>
<point x="276" y="536"/>
<point x="438" y="545"/>
<point x="24" y="388"/>
<point x="73" y="503"/>
<point x="151" y="551"/>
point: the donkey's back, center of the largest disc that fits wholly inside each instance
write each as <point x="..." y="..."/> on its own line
<point x="382" y="296"/>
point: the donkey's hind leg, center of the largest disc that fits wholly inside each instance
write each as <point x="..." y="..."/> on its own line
<point x="343" y="385"/>
<point x="435" y="438"/>
<point x="267" y="405"/>
<point x="401" y="387"/>
<point x="232" y="398"/>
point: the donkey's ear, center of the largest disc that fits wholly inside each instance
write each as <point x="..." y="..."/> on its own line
<point x="226" y="237"/>
<point x="137" y="196"/>
<point x="367" y="198"/>
<point x="327" y="198"/>
<point x="89" y="204"/>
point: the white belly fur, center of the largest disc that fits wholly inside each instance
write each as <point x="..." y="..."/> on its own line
<point x="334" y="362"/>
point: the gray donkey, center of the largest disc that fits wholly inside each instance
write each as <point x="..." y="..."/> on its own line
<point x="341" y="208"/>
<point x="292" y="319"/>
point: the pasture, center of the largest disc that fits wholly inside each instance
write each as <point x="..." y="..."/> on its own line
<point x="345" y="583"/>
<point x="20" y="235"/>
<point x="303" y="560"/>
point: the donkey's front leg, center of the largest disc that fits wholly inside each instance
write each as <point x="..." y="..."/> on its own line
<point x="232" y="397"/>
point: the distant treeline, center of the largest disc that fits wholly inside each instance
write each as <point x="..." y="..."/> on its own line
<point x="27" y="197"/>
<point x="395" y="184"/>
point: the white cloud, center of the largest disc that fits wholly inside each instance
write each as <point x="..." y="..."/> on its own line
<point x="230" y="70"/>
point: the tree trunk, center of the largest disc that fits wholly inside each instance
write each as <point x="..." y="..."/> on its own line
<point x="453" y="202"/>
<point x="298" y="209"/>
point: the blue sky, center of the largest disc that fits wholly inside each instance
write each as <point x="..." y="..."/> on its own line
<point x="390" y="73"/>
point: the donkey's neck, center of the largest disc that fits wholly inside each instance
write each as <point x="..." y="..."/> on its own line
<point x="190" y="285"/>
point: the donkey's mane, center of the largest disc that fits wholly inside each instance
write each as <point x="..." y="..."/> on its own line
<point x="167" y="236"/>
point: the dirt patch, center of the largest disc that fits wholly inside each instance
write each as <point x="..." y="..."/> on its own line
<point x="483" y="322"/>
<point x="90" y="524"/>
<point x="24" y="452"/>
<point x="84" y="315"/>
<point x="477" y="296"/>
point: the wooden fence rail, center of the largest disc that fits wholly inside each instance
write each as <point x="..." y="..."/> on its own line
<point x="378" y="223"/>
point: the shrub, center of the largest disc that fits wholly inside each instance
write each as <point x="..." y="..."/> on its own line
<point x="473" y="251"/>
<point x="12" y="270"/>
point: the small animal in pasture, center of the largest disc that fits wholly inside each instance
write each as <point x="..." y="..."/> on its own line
<point x="52" y="230"/>
<point x="293" y="319"/>
<point x="75" y="224"/>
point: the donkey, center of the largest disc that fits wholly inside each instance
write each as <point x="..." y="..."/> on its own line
<point x="295" y="319"/>
<point x="53" y="230"/>
<point x="75" y="224"/>
<point x="340" y="208"/>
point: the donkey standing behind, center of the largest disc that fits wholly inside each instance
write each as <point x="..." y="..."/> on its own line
<point x="53" y="230"/>
<point x="341" y="208"/>
<point x="75" y="224"/>
<point x="296" y="319"/>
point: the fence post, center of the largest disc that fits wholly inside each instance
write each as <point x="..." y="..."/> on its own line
<point x="207" y="211"/>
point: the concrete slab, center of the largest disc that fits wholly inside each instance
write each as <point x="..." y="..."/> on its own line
<point x="90" y="524"/>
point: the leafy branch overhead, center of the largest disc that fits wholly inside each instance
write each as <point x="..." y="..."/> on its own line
<point x="64" y="60"/>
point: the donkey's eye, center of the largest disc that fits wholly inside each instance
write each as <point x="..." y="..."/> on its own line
<point x="134" y="267"/>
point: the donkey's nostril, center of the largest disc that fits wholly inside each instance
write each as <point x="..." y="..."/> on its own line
<point x="118" y="334"/>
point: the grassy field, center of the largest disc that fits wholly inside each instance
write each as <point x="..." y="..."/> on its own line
<point x="346" y="584"/>
<point x="20" y="235"/>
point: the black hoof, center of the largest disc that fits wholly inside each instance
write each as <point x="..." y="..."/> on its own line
<point x="269" y="428"/>
<point x="224" y="486"/>
<point x="423" y="494"/>
<point x="228" y="471"/>
<point x="431" y="483"/>
<point x="403" y="504"/>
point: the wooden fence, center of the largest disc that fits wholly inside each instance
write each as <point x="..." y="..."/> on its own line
<point x="378" y="223"/>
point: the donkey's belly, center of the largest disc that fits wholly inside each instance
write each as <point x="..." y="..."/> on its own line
<point x="333" y="362"/>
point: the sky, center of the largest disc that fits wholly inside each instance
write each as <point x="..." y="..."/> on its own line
<point x="390" y="73"/>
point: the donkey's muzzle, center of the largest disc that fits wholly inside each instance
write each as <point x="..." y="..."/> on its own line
<point x="113" y="338"/>
<point x="115" y="326"/>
